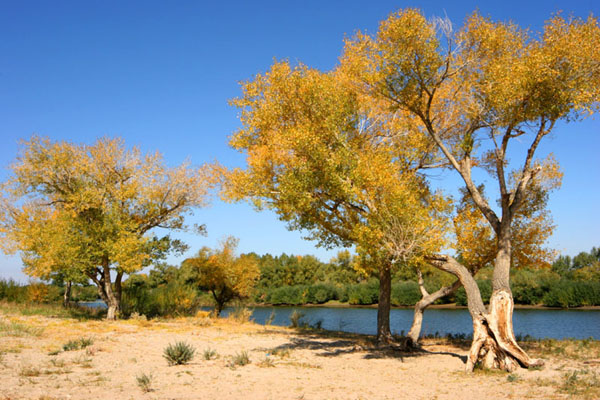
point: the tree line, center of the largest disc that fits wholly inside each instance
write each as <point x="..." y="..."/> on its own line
<point x="299" y="280"/>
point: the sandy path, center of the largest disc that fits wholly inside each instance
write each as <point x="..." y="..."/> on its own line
<point x="304" y="366"/>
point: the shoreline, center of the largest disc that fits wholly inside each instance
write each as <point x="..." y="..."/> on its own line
<point x="337" y="304"/>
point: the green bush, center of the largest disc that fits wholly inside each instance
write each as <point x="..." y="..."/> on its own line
<point x="567" y="294"/>
<point x="179" y="353"/>
<point x="292" y="295"/>
<point x="529" y="287"/>
<point x="485" y="288"/>
<point x="171" y="299"/>
<point x="77" y="344"/>
<point x="12" y="291"/>
<point x="405" y="293"/>
<point x="364" y="293"/>
<point x="320" y="293"/>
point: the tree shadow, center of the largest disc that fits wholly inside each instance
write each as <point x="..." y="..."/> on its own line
<point x="332" y="344"/>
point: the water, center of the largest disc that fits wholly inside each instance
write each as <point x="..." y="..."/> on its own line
<point x="537" y="323"/>
<point x="556" y="324"/>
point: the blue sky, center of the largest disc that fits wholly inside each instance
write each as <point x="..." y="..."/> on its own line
<point x="160" y="74"/>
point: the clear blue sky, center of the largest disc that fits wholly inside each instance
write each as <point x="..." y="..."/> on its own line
<point x="160" y="74"/>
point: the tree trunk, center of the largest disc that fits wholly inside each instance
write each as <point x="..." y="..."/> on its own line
<point x="384" y="335"/>
<point x="219" y="304"/>
<point x="67" y="295"/>
<point x="113" y="297"/>
<point x="427" y="299"/>
<point x="494" y="344"/>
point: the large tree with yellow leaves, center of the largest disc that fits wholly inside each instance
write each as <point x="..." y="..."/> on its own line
<point x="473" y="93"/>
<point x="340" y="153"/>
<point x="92" y="210"/>
<point x="311" y="161"/>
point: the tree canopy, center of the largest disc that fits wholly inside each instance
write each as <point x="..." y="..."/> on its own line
<point x="224" y="274"/>
<point x="90" y="209"/>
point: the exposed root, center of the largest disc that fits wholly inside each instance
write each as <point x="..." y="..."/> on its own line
<point x="494" y="344"/>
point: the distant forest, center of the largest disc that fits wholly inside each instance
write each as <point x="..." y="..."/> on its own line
<point x="299" y="280"/>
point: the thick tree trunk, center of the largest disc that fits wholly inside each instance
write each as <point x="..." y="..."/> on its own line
<point x="67" y="295"/>
<point x="494" y="344"/>
<point x="427" y="299"/>
<point x="384" y="335"/>
<point x="111" y="297"/>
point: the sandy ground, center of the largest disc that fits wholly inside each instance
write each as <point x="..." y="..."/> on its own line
<point x="301" y="366"/>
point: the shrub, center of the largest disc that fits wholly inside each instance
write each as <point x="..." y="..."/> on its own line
<point x="295" y="318"/>
<point x="144" y="382"/>
<point x="364" y="293"/>
<point x="240" y="359"/>
<point x="179" y="353"/>
<point x="209" y="354"/>
<point x="77" y="344"/>
<point x="12" y="291"/>
<point x="241" y="315"/>
<point x="573" y="294"/>
<point x="405" y="293"/>
<point x="292" y="295"/>
<point x="172" y="299"/>
<point x="320" y="293"/>
<point x="485" y="288"/>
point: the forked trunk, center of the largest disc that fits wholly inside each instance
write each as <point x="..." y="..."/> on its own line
<point x="494" y="344"/>
<point x="427" y="299"/>
<point x="384" y="335"/>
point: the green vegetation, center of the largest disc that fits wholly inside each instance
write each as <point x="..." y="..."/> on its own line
<point x="239" y="359"/>
<point x="210" y="354"/>
<point x="144" y="382"/>
<point x="170" y="291"/>
<point x="179" y="353"/>
<point x="77" y="344"/>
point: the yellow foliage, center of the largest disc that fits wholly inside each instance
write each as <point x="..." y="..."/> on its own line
<point x="37" y="293"/>
<point x="80" y="210"/>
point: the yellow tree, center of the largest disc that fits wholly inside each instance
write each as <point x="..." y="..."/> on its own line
<point x="473" y="92"/>
<point x="318" y="159"/>
<point x="225" y="275"/>
<point x="91" y="209"/>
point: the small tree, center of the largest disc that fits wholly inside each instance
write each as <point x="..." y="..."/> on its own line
<point x="91" y="209"/>
<point x="225" y="275"/>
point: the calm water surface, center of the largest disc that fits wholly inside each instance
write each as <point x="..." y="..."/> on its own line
<point x="556" y="324"/>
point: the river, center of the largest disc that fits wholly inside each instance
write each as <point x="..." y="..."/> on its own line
<point x="537" y="323"/>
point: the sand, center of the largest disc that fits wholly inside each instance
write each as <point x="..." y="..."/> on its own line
<point x="301" y="365"/>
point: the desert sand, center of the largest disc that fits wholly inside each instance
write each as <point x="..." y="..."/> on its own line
<point x="285" y="363"/>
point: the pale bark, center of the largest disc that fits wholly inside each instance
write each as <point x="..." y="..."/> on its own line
<point x="427" y="299"/>
<point x="67" y="295"/>
<point x="384" y="335"/>
<point x="112" y="297"/>
<point x="494" y="344"/>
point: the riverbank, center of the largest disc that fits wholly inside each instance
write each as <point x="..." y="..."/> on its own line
<point x="338" y="304"/>
<point x="39" y="361"/>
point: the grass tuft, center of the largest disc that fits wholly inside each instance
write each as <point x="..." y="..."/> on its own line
<point x="144" y="382"/>
<point x="77" y="344"/>
<point x="209" y="354"/>
<point x="239" y="359"/>
<point x="179" y="353"/>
